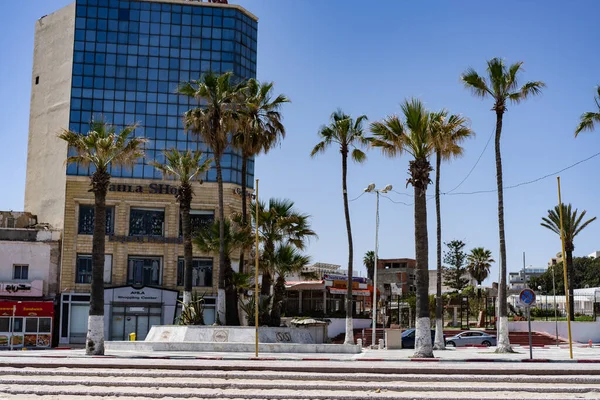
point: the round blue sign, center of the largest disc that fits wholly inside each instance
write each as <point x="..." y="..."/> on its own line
<point x="527" y="297"/>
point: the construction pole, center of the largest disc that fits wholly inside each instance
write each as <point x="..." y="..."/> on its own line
<point x="567" y="300"/>
<point x="256" y="294"/>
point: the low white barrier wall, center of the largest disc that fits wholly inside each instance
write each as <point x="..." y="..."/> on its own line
<point x="338" y="325"/>
<point x="582" y="332"/>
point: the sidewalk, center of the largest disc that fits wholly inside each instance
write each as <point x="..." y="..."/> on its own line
<point x="581" y="354"/>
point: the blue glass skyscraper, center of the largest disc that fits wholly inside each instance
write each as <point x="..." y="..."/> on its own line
<point x="129" y="57"/>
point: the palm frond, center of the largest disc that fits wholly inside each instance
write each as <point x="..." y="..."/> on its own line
<point x="359" y="156"/>
<point x="587" y="122"/>
<point x="527" y="90"/>
<point x="475" y="83"/>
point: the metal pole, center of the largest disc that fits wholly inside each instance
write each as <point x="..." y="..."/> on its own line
<point x="374" y="307"/>
<point x="529" y="323"/>
<point x="256" y="294"/>
<point x="398" y="304"/>
<point x="524" y="274"/>
<point x="555" y="307"/>
<point x="568" y="301"/>
<point x="12" y="327"/>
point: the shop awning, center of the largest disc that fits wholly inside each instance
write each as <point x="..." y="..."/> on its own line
<point x="305" y="285"/>
<point x="355" y="292"/>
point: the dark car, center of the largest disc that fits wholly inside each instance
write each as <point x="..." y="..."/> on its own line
<point x="408" y="338"/>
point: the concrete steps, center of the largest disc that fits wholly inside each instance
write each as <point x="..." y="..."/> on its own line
<point x="88" y="383"/>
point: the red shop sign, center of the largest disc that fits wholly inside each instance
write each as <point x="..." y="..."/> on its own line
<point x="27" y="308"/>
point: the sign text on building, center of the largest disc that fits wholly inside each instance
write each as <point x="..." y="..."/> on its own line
<point x="153" y="188"/>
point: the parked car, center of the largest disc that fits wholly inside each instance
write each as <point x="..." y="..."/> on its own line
<point x="471" y="338"/>
<point x="408" y="338"/>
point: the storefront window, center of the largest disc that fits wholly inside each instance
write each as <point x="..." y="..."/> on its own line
<point x="4" y="324"/>
<point x="146" y="222"/>
<point x="86" y="220"/>
<point x="199" y="219"/>
<point x="45" y="325"/>
<point x="144" y="271"/>
<point x="84" y="268"/>
<point x="31" y="324"/>
<point x="202" y="272"/>
<point x="18" y="325"/>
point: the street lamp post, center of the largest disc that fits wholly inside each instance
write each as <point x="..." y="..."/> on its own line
<point x="371" y="189"/>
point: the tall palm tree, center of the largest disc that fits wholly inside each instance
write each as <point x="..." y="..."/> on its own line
<point x="219" y="102"/>
<point x="369" y="263"/>
<point x="102" y="147"/>
<point x="279" y="223"/>
<point x="208" y="240"/>
<point x="449" y="132"/>
<point x="573" y="224"/>
<point x="589" y="119"/>
<point x="502" y="85"/>
<point x="479" y="262"/>
<point x="287" y="260"/>
<point x="345" y="133"/>
<point x="260" y="128"/>
<point x="185" y="167"/>
<point x="414" y="136"/>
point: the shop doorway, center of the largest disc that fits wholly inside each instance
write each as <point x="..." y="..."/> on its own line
<point x="136" y="319"/>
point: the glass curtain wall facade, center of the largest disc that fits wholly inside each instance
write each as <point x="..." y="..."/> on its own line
<point x="129" y="58"/>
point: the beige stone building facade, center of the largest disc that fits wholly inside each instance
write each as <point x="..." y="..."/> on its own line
<point x="143" y="250"/>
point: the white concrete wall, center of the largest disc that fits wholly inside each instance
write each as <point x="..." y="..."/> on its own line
<point x="338" y="325"/>
<point x="49" y="113"/>
<point x="581" y="332"/>
<point x="42" y="258"/>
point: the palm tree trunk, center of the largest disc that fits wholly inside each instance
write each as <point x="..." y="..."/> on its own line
<point x="94" y="344"/>
<point x="503" y="340"/>
<point x="268" y="252"/>
<point x="232" y="317"/>
<point x="349" y="338"/>
<point x="278" y="295"/>
<point x="222" y="307"/>
<point x="185" y="200"/>
<point x="423" y="345"/>
<point x="265" y="286"/>
<point x="570" y="280"/>
<point x="244" y="206"/>
<point x="439" y="321"/>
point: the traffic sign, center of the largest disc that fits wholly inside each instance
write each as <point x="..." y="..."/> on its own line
<point x="527" y="297"/>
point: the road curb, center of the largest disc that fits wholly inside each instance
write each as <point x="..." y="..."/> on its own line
<point x="307" y="359"/>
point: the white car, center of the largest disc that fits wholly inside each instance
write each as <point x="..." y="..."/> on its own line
<point x="471" y="338"/>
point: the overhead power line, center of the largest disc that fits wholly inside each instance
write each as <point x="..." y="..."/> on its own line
<point x="430" y="197"/>
<point x="528" y="182"/>
<point x="472" y="169"/>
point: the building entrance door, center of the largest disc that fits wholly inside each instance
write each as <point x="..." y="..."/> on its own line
<point x="134" y="319"/>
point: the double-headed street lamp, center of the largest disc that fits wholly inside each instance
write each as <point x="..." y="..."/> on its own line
<point x="371" y="189"/>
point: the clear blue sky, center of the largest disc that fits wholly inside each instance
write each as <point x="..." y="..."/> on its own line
<point x="366" y="57"/>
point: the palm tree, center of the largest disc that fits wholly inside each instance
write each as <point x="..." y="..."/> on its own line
<point x="346" y="133"/>
<point x="479" y="263"/>
<point x="185" y="168"/>
<point x="279" y="223"/>
<point x="572" y="225"/>
<point x="102" y="148"/>
<point x="260" y="129"/>
<point x="449" y="133"/>
<point x="212" y="121"/>
<point x="369" y="263"/>
<point x="208" y="240"/>
<point x="502" y="85"/>
<point x="414" y="136"/>
<point x="588" y="120"/>
<point x="287" y="260"/>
